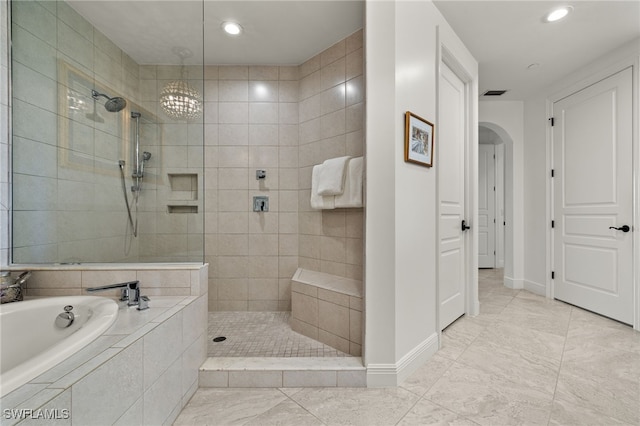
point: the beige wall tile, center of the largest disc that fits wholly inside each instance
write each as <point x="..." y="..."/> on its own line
<point x="232" y="289"/>
<point x="287" y="266"/>
<point x="233" y="244"/>
<point x="289" y="73"/>
<point x="288" y="91"/>
<point x="233" y="91"/>
<point x="233" y="73"/>
<point x="334" y="297"/>
<point x="304" y="308"/>
<point x="355" y="349"/>
<point x="263" y="267"/>
<point x="263" y="245"/>
<point x="233" y="267"/>
<point x="233" y="112"/>
<point x="263" y="91"/>
<point x="233" y="135"/>
<point x="310" y="66"/>
<point x="332" y="340"/>
<point x="288" y="245"/>
<point x="333" y="99"/>
<point x="264" y="72"/>
<point x="302" y="327"/>
<point x="333" y="318"/>
<point x="355" y="326"/>
<point x="263" y="289"/>
<point x="263" y="134"/>
<point x="333" y="53"/>
<point x="263" y="113"/>
<point x="288" y="134"/>
<point x="233" y="305"/>
<point x="263" y="305"/>
<point x="309" y="290"/>
<point x="333" y="74"/>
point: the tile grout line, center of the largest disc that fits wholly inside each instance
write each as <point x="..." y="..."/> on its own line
<point x="564" y="345"/>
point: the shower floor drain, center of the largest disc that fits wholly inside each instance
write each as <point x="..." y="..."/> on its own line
<point x="219" y="339"/>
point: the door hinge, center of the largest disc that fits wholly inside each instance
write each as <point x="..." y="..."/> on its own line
<point x="553" y="275"/>
<point x="494" y="221"/>
<point x="494" y="252"/>
<point x="553" y="223"/>
<point x="553" y="173"/>
<point x="494" y="188"/>
<point x="553" y="121"/>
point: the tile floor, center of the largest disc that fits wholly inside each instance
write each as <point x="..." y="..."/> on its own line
<point x="261" y="334"/>
<point x="523" y="360"/>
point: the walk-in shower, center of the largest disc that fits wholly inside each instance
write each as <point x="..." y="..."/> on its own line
<point x="138" y="173"/>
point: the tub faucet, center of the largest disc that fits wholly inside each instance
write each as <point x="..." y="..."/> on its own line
<point x="130" y="292"/>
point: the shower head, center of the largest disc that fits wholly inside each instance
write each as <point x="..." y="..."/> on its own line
<point x="146" y="156"/>
<point x="116" y="104"/>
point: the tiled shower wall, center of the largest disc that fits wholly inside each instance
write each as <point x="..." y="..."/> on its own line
<point x="282" y="120"/>
<point x="331" y="125"/>
<point x="251" y="124"/>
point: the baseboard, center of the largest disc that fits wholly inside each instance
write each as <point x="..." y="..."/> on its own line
<point x="535" y="288"/>
<point x="384" y="375"/>
<point x="516" y="284"/>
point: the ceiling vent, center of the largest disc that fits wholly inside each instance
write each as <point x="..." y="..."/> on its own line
<point x="494" y="93"/>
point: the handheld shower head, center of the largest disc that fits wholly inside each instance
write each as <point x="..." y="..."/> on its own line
<point x="146" y="156"/>
<point x="116" y="104"/>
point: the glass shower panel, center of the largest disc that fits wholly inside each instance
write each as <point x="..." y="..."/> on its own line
<point x="89" y="137"/>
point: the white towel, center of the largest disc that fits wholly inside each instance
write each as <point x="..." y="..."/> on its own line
<point x="319" y="202"/>
<point x="352" y="195"/>
<point x="332" y="176"/>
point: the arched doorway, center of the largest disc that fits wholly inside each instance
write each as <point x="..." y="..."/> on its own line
<point x="494" y="135"/>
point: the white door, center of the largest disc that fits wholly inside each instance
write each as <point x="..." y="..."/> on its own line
<point x="486" y="206"/>
<point x="450" y="144"/>
<point x="592" y="137"/>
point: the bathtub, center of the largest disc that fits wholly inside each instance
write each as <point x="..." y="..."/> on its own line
<point x="32" y="343"/>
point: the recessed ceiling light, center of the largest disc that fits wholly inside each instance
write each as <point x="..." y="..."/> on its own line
<point x="232" y="28"/>
<point x="558" y="14"/>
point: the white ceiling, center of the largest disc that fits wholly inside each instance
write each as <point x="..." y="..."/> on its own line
<point x="507" y="36"/>
<point x="275" y="32"/>
<point x="504" y="36"/>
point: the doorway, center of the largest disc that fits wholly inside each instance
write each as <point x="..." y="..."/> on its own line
<point x="592" y="138"/>
<point x="491" y="209"/>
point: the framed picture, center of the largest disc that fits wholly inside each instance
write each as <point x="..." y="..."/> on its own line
<point x="418" y="140"/>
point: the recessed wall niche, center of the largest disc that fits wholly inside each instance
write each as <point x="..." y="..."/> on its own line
<point x="184" y="190"/>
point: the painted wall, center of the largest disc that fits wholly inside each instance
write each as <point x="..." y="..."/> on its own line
<point x="537" y="167"/>
<point x="507" y="119"/>
<point x="401" y="261"/>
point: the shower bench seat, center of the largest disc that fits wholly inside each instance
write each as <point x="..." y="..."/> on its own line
<point x="327" y="308"/>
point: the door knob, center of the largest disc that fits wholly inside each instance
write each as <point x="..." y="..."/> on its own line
<point x="623" y="228"/>
<point x="464" y="226"/>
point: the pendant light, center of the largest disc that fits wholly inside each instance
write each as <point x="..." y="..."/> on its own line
<point x="179" y="99"/>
